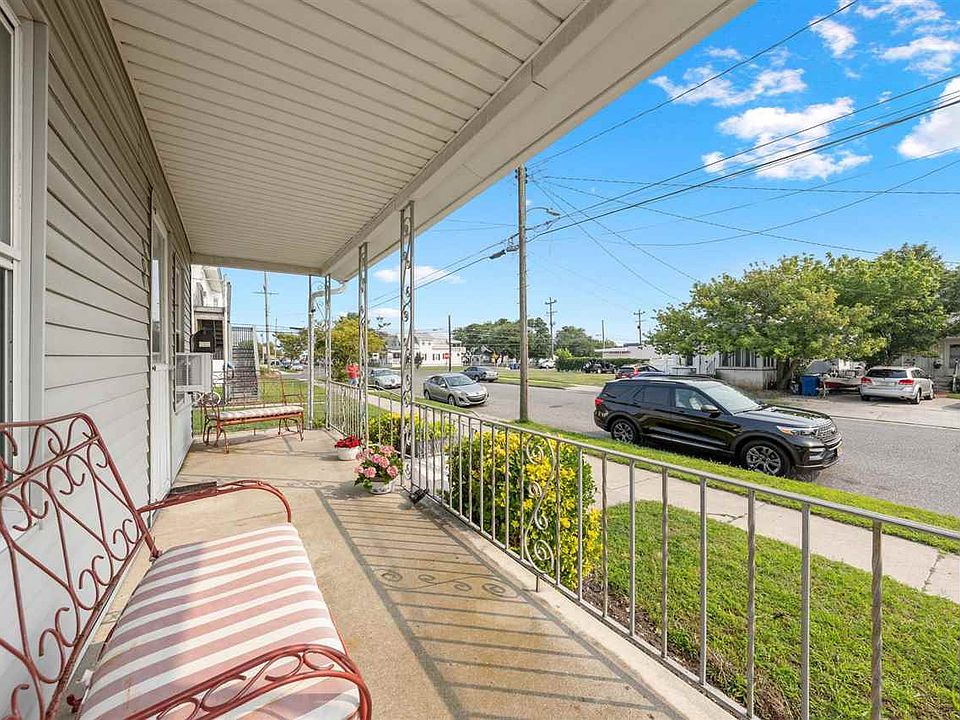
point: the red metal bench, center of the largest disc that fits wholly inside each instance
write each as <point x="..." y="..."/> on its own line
<point x="218" y="416"/>
<point x="232" y="626"/>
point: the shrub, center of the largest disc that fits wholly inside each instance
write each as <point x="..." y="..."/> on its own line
<point x="576" y="363"/>
<point x="385" y="429"/>
<point x="532" y="461"/>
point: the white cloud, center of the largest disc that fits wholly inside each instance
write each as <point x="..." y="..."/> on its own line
<point x="936" y="132"/>
<point x="727" y="53"/>
<point x="763" y="124"/>
<point x="387" y="313"/>
<point x="839" y="39"/>
<point x="930" y="55"/>
<point x="723" y="93"/>
<point x="421" y="273"/>
<point x="904" y="13"/>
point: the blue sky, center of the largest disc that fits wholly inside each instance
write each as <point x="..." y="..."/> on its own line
<point x="647" y="257"/>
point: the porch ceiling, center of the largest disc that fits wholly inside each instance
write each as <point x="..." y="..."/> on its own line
<point x="292" y="131"/>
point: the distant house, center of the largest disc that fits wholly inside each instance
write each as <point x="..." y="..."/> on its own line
<point x="941" y="362"/>
<point x="210" y="296"/>
<point x="432" y="346"/>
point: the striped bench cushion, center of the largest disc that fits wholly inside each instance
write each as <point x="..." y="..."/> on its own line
<point x="204" y="608"/>
<point x="267" y="411"/>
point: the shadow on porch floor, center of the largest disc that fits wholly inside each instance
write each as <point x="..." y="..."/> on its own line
<point x="439" y="627"/>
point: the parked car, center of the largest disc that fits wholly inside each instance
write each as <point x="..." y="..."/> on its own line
<point x="903" y="383"/>
<point x="598" y="367"/>
<point x="454" y="389"/>
<point x="709" y="415"/>
<point x="480" y="373"/>
<point x="514" y="365"/>
<point x="547" y="364"/>
<point x="296" y="367"/>
<point x="384" y="378"/>
<point x="628" y="371"/>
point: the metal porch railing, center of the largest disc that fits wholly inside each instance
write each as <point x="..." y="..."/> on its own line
<point x="545" y="501"/>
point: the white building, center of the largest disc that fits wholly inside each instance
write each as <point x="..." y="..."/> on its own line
<point x="433" y="346"/>
<point x="210" y="292"/>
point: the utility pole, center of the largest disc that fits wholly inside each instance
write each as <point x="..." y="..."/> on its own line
<point x="449" y="344"/>
<point x="310" y="342"/>
<point x="639" y="314"/>
<point x="266" y="314"/>
<point x="522" y="258"/>
<point x="603" y="334"/>
<point x="550" y="313"/>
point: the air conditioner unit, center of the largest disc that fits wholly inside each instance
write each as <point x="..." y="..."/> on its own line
<point x="194" y="372"/>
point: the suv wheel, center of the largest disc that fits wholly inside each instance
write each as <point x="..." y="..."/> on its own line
<point x="766" y="457"/>
<point x="623" y="430"/>
<point x="916" y="398"/>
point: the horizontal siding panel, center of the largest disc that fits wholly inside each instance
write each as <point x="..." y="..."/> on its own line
<point x="73" y="398"/>
<point x="72" y="215"/>
<point x="67" y="312"/>
<point x="72" y="341"/>
<point x="106" y="271"/>
<point x="85" y="290"/>
<point x="84" y="371"/>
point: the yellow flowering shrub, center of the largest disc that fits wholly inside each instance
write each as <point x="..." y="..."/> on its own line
<point x="538" y="467"/>
<point x="385" y="429"/>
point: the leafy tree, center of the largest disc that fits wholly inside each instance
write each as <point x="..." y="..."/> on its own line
<point x="904" y="290"/>
<point x="293" y="344"/>
<point x="502" y="337"/>
<point x="345" y="343"/>
<point x="950" y="296"/>
<point x="789" y="311"/>
<point x="576" y="341"/>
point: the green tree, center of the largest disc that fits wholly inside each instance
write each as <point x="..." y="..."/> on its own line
<point x="950" y="296"/>
<point x="293" y="344"/>
<point x="904" y="290"/>
<point x="345" y="344"/>
<point x="789" y="311"/>
<point x="576" y="341"/>
<point x="502" y="337"/>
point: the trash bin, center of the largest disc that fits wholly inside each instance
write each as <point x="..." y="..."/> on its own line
<point x="809" y="384"/>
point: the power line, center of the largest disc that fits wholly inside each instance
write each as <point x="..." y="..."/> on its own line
<point x="763" y="188"/>
<point x="780" y="153"/>
<point x="717" y="76"/>
<point x="766" y="231"/>
<point x="752" y="168"/>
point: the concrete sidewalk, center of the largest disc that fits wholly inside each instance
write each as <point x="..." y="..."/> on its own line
<point x="915" y="564"/>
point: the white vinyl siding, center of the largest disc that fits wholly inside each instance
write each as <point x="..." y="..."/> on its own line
<point x="102" y="181"/>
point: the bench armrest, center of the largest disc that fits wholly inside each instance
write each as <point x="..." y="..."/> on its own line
<point x="262" y="674"/>
<point x="199" y="491"/>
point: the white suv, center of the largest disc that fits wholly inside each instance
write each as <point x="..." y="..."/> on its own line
<point x="903" y="383"/>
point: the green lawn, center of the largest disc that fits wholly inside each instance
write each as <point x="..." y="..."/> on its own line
<point x="553" y="378"/>
<point x="955" y="396"/>
<point x="920" y="632"/>
<point x="800" y="487"/>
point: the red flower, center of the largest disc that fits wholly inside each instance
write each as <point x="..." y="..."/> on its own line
<point x="350" y="441"/>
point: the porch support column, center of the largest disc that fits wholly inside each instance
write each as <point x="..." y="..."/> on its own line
<point x="311" y="305"/>
<point x="408" y="449"/>
<point x="363" y="321"/>
<point x="327" y="353"/>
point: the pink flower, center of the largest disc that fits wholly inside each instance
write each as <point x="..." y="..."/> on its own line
<point x="370" y="472"/>
<point x="359" y="470"/>
<point x="392" y="471"/>
<point x="382" y="461"/>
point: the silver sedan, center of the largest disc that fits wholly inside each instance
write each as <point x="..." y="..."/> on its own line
<point x="454" y="389"/>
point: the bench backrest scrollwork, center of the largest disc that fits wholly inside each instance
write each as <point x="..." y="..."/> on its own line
<point x="68" y="531"/>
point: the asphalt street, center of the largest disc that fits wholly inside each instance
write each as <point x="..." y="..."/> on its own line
<point x="906" y="463"/>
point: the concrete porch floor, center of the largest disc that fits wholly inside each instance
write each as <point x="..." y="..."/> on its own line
<point x="441" y="624"/>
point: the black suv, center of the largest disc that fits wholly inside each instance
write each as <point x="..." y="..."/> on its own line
<point x="709" y="415"/>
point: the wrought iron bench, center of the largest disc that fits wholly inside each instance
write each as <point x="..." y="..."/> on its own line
<point x="218" y="415"/>
<point x="232" y="626"/>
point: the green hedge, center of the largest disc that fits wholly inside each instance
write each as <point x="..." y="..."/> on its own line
<point x="385" y="429"/>
<point x="536" y="463"/>
<point x="575" y="363"/>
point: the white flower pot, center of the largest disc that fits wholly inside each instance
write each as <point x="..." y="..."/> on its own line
<point x="381" y="488"/>
<point x="347" y="453"/>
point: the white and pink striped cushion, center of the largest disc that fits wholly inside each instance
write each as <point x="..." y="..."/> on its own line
<point x="204" y="608"/>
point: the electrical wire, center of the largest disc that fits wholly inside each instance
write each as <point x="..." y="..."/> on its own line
<point x="717" y="76"/>
<point x="762" y="188"/>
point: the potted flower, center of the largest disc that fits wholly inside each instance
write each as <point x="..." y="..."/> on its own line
<point x="348" y="447"/>
<point x="379" y="466"/>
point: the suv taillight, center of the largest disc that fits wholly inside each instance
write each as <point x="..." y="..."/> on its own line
<point x="865" y="381"/>
<point x="597" y="401"/>
<point x="907" y="381"/>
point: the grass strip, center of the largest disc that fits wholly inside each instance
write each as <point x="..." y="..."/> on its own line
<point x="920" y="661"/>
<point x="800" y="487"/>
